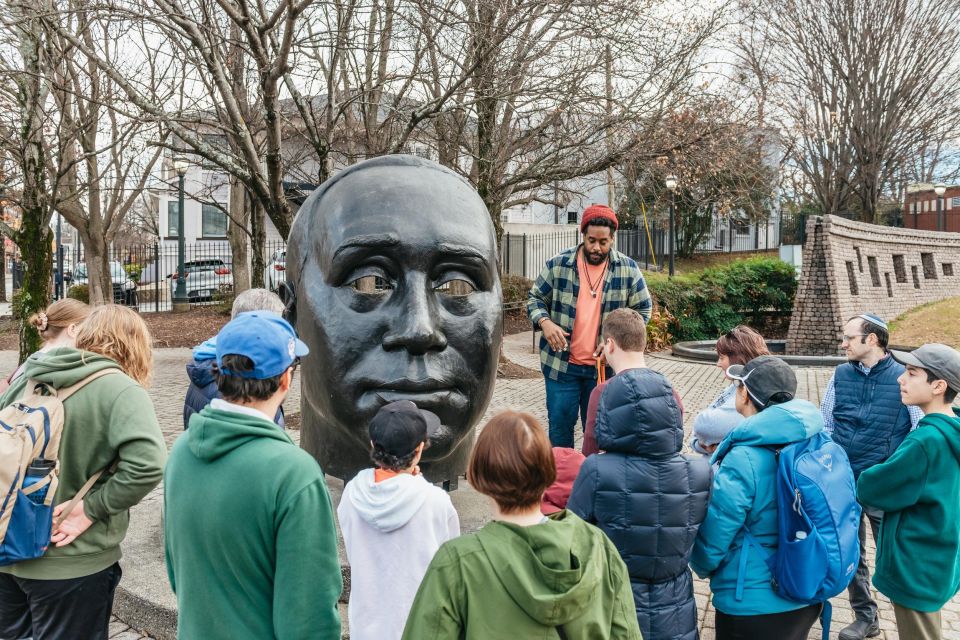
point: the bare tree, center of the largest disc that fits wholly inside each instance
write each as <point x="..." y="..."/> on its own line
<point x="724" y="164"/>
<point x="105" y="155"/>
<point x="863" y="87"/>
<point x="521" y="95"/>
<point x="24" y="92"/>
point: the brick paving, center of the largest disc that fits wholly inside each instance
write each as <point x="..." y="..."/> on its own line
<point x="697" y="384"/>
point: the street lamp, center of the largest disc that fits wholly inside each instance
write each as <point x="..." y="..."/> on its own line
<point x="940" y="189"/>
<point x="671" y="183"/>
<point x="180" y="300"/>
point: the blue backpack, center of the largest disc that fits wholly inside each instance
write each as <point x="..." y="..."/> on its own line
<point x="819" y="519"/>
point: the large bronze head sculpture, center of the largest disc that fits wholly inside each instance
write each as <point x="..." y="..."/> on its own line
<point x="392" y="267"/>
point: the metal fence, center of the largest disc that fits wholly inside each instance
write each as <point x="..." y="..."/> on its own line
<point x="145" y="275"/>
<point x="525" y="254"/>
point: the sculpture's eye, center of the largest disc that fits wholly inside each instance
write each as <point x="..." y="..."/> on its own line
<point x="372" y="285"/>
<point x="454" y="286"/>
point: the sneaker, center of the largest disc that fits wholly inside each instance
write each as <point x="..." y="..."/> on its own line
<point x="860" y="629"/>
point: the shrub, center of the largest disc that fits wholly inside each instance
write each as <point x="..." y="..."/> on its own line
<point x="79" y="292"/>
<point x="515" y="289"/>
<point x="134" y="271"/>
<point x="707" y="304"/>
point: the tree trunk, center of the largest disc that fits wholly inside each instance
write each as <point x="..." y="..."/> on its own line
<point x="258" y="241"/>
<point x="99" y="284"/>
<point x="238" y="235"/>
<point x="3" y="268"/>
<point x="34" y="241"/>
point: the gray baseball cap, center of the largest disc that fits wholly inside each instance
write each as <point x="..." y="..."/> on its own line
<point x="939" y="359"/>
<point x="765" y="377"/>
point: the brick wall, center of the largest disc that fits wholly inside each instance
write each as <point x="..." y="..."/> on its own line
<point x="854" y="267"/>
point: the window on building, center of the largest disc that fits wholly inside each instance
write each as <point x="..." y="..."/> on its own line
<point x="571" y="217"/>
<point x="213" y="222"/>
<point x="955" y="201"/>
<point x="172" y="218"/>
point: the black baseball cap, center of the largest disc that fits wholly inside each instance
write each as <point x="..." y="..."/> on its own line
<point x="939" y="359"/>
<point x="765" y="377"/>
<point x="400" y="427"/>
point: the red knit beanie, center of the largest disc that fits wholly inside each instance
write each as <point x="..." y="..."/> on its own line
<point x="597" y="211"/>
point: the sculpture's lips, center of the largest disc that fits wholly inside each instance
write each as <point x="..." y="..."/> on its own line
<point x="407" y="385"/>
<point x="432" y="400"/>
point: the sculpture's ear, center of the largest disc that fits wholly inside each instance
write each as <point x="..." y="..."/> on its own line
<point x="288" y="294"/>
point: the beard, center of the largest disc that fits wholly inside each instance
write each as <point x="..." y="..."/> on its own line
<point x="594" y="257"/>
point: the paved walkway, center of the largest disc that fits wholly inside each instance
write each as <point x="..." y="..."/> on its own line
<point x="697" y="384"/>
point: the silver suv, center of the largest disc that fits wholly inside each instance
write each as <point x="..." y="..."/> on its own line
<point x="203" y="278"/>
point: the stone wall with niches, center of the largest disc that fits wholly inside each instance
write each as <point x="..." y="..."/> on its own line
<point x="854" y="267"/>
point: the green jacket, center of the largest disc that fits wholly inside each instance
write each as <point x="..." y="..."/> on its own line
<point x="111" y="419"/>
<point x="250" y="540"/>
<point x="918" y="489"/>
<point x="506" y="582"/>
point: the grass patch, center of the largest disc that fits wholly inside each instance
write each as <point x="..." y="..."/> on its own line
<point x="931" y="322"/>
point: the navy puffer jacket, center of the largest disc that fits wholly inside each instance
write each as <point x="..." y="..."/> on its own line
<point x="203" y="389"/>
<point x="648" y="498"/>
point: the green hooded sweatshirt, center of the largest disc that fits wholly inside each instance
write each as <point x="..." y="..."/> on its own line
<point x="506" y="582"/>
<point x="110" y="419"/>
<point x="250" y="539"/>
<point x="918" y="489"/>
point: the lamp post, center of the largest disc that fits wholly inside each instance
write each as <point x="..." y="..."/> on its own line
<point x="180" y="301"/>
<point x="671" y="183"/>
<point x="940" y="189"/>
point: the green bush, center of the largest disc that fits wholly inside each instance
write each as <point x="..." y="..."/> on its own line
<point x="79" y="292"/>
<point x="134" y="271"/>
<point x="515" y="288"/>
<point x="710" y="303"/>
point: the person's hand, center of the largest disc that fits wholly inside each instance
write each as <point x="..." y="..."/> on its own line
<point x="598" y="353"/>
<point x="554" y="335"/>
<point x="74" y="525"/>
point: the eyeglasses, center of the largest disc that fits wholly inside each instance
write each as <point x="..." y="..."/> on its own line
<point x="847" y="338"/>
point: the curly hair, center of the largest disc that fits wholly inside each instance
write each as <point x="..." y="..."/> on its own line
<point x="119" y="333"/>
<point x="390" y="462"/>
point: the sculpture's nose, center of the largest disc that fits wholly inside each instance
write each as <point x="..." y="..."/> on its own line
<point x="416" y="327"/>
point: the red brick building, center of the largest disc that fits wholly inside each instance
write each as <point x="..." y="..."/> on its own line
<point x="920" y="208"/>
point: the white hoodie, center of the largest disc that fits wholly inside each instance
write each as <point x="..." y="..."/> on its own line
<point x="391" y="530"/>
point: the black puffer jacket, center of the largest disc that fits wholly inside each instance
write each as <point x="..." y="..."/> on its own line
<point x="647" y="498"/>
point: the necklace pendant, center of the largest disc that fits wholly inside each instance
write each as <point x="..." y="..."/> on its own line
<point x="593" y="293"/>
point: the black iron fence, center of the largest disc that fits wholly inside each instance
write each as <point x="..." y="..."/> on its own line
<point x="525" y="254"/>
<point x="145" y="275"/>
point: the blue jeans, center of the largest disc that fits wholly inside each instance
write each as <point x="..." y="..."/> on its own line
<point x="566" y="396"/>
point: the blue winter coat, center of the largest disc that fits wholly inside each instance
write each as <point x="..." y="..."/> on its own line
<point x="203" y="385"/>
<point x="647" y="498"/>
<point x="744" y="497"/>
<point x="869" y="418"/>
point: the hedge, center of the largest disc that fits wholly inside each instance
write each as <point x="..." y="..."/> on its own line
<point x="705" y="305"/>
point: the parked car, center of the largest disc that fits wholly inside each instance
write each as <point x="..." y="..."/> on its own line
<point x="124" y="289"/>
<point x="276" y="272"/>
<point x="203" y="278"/>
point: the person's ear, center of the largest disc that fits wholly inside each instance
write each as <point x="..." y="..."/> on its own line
<point x="286" y="380"/>
<point x="939" y="387"/>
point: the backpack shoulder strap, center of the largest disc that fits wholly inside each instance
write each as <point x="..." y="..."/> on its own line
<point x="65" y="392"/>
<point x="84" y="490"/>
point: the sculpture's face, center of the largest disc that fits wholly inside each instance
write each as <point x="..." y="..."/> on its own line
<point x="398" y="298"/>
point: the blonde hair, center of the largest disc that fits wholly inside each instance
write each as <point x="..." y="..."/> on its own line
<point x="120" y="334"/>
<point x="51" y="322"/>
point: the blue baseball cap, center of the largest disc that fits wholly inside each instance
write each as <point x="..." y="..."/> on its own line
<point x="265" y="338"/>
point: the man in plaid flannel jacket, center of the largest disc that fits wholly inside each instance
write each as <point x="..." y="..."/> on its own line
<point x="571" y="297"/>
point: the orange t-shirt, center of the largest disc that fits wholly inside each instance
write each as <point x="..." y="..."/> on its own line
<point x="586" y="324"/>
